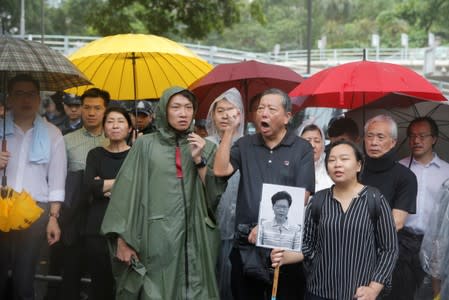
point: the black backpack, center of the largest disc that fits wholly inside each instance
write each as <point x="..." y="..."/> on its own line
<point x="373" y="206"/>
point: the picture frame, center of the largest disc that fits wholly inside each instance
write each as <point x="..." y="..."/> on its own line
<point x="281" y="217"/>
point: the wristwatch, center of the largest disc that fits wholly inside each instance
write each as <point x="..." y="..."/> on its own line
<point x="54" y="215"/>
<point x="202" y="163"/>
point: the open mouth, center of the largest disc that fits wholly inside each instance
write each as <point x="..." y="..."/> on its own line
<point x="264" y="124"/>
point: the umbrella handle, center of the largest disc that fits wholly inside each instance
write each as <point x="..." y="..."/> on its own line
<point x="275" y="283"/>
<point x="4" y="179"/>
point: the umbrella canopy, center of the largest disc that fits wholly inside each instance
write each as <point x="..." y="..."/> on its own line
<point x="403" y="114"/>
<point x="354" y="84"/>
<point x="137" y="66"/>
<point x="249" y="77"/>
<point x="17" y="210"/>
<point x="52" y="69"/>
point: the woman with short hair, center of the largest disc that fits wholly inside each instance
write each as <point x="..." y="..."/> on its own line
<point x="348" y="252"/>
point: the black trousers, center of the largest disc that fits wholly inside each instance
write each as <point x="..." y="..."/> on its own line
<point x="102" y="286"/>
<point x="55" y="265"/>
<point x="408" y="274"/>
<point x="19" y="253"/>
<point x="291" y="284"/>
<point x="74" y="266"/>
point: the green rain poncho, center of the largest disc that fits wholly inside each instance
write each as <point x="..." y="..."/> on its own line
<point x="166" y="219"/>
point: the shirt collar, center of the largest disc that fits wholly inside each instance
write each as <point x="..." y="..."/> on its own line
<point x="284" y="225"/>
<point x="288" y="140"/>
<point x="87" y="133"/>
<point x="436" y="161"/>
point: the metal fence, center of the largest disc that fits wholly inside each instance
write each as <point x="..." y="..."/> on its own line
<point x="423" y="60"/>
<point x="216" y="55"/>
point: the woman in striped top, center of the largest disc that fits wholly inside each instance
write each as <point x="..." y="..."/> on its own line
<point x="349" y="254"/>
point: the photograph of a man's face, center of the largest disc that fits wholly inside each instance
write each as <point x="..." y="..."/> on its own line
<point x="281" y="217"/>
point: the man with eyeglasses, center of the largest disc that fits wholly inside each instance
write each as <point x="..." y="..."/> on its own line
<point x="399" y="186"/>
<point x="35" y="161"/>
<point x="431" y="172"/>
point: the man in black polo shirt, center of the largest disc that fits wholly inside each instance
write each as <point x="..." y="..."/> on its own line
<point x="274" y="155"/>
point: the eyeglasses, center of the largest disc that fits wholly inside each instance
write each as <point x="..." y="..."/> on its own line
<point x="420" y="136"/>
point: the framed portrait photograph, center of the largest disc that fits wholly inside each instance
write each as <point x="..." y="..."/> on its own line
<point x="281" y="217"/>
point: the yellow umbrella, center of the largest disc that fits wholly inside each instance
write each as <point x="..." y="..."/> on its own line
<point x="6" y="197"/>
<point x="137" y="66"/>
<point x="17" y="210"/>
<point x="23" y="212"/>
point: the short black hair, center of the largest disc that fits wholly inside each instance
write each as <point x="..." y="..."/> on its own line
<point x="96" y="93"/>
<point x="119" y="110"/>
<point x="189" y="95"/>
<point x="343" y="126"/>
<point x="22" y="78"/>
<point x="434" y="131"/>
<point x="282" y="195"/>
<point x="357" y="152"/>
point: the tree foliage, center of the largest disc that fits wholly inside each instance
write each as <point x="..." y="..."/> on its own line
<point x="255" y="25"/>
<point x="190" y="18"/>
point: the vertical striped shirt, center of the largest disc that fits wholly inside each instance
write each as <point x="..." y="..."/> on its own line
<point x="344" y="251"/>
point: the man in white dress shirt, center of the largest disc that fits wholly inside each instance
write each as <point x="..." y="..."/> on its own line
<point x="430" y="170"/>
<point x="35" y="161"/>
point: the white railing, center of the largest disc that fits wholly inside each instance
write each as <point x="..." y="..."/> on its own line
<point x="216" y="55"/>
<point x="295" y="59"/>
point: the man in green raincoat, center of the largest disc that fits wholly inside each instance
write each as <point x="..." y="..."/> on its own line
<point x="159" y="216"/>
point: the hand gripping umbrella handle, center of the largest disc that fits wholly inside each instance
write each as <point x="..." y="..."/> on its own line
<point x="4" y="179"/>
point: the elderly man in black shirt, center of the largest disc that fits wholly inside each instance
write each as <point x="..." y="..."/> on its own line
<point x="399" y="186"/>
<point x="274" y="155"/>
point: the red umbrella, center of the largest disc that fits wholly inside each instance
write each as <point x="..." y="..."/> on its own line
<point x="249" y="77"/>
<point x="355" y="84"/>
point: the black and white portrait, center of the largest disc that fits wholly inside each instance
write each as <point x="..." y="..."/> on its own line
<point x="281" y="217"/>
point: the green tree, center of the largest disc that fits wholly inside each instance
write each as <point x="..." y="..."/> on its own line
<point x="32" y="14"/>
<point x="424" y="17"/>
<point x="190" y="18"/>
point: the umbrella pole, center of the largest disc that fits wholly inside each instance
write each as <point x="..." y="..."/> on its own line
<point x="4" y="190"/>
<point x="363" y="111"/>
<point x="133" y="58"/>
<point x="245" y="107"/>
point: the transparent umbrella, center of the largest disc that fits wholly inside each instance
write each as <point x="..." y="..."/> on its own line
<point x="396" y="106"/>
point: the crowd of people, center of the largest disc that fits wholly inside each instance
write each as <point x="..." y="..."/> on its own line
<point x="153" y="205"/>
